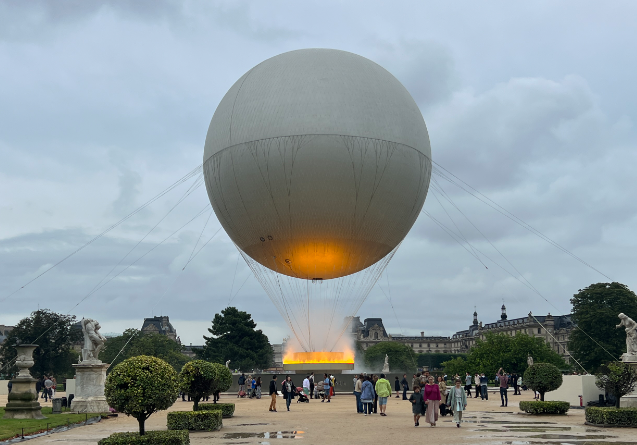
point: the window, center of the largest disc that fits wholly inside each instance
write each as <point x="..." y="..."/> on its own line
<point x="420" y="345"/>
<point x="375" y="335"/>
<point x="539" y="330"/>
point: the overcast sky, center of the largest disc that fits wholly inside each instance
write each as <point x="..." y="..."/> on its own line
<point x="105" y="104"/>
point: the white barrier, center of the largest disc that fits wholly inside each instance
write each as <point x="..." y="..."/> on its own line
<point x="574" y="386"/>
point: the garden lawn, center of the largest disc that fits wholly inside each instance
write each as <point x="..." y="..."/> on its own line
<point x="13" y="427"/>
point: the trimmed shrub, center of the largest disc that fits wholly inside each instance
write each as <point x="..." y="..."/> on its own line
<point x="197" y="379"/>
<point x="611" y="416"/>
<point x="223" y="378"/>
<point x="150" y="438"/>
<point x="227" y="409"/>
<point x="543" y="377"/>
<point x="141" y="386"/>
<point x="195" y="420"/>
<point x="617" y="379"/>
<point x="540" y="407"/>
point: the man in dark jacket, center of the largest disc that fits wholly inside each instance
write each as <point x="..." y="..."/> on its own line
<point x="405" y="384"/>
<point x="273" y="394"/>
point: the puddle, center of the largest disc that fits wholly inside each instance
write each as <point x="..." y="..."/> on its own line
<point x="571" y="436"/>
<point x="251" y="424"/>
<point x="505" y="422"/>
<point x="266" y="435"/>
<point x="569" y="442"/>
<point x="522" y="429"/>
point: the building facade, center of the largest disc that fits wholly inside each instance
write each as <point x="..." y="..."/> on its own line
<point x="555" y="330"/>
<point x="160" y="325"/>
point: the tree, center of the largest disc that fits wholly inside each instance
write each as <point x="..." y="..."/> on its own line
<point x="434" y="360"/>
<point x="595" y="309"/>
<point x="223" y="378"/>
<point x="617" y="378"/>
<point x="197" y="379"/>
<point x="141" y="386"/>
<point x="543" y="377"/>
<point x="133" y="343"/>
<point x="506" y="351"/>
<point x="54" y="334"/>
<point x="235" y="338"/>
<point x="401" y="357"/>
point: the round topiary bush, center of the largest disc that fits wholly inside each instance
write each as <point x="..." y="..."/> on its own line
<point x="141" y="386"/>
<point x="543" y="377"/>
<point x="223" y="378"/>
<point x="197" y="379"/>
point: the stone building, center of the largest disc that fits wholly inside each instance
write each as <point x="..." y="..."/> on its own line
<point x="555" y="330"/>
<point x="160" y="325"/>
<point x="4" y="331"/>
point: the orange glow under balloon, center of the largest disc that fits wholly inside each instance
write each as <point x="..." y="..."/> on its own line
<point x="293" y="358"/>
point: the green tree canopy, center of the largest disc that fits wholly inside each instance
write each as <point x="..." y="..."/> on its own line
<point x="135" y="343"/>
<point x="223" y="378"/>
<point x="595" y="310"/>
<point x="141" y="386"/>
<point x="434" y="360"/>
<point x="401" y="357"/>
<point x="197" y="379"/>
<point x="542" y="377"/>
<point x="504" y="351"/>
<point x="54" y="334"/>
<point x="235" y="338"/>
<point x="617" y="378"/>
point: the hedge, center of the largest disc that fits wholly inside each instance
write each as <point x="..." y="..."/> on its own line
<point x="150" y="438"/>
<point x="539" y="407"/>
<point x="611" y="416"/>
<point x="195" y="420"/>
<point x="227" y="409"/>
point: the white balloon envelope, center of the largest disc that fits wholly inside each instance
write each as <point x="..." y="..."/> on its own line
<point x="317" y="163"/>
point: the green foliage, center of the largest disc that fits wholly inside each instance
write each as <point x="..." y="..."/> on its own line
<point x="54" y="334"/>
<point x="435" y="360"/>
<point x="543" y="377"/>
<point x="195" y="420"/>
<point x="595" y="311"/>
<point x="235" y="338"/>
<point x="616" y="378"/>
<point x="227" y="409"/>
<point x="504" y="351"/>
<point x="401" y="357"/>
<point x="10" y="428"/>
<point x="611" y="416"/>
<point x="541" y="407"/>
<point x="141" y="386"/>
<point x="196" y="379"/>
<point x="154" y="345"/>
<point x="177" y="437"/>
<point x="223" y="378"/>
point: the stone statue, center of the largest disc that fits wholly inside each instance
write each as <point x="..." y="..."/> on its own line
<point x="386" y="365"/>
<point x="93" y="340"/>
<point x="631" y="334"/>
<point x="227" y="363"/>
<point x="529" y="360"/>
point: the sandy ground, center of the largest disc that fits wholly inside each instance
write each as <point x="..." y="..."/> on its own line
<point x="338" y="423"/>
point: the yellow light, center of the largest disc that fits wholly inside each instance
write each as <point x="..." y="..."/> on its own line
<point x="293" y="358"/>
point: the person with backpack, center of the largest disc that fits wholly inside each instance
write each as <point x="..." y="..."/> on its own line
<point x="289" y="391"/>
<point x="273" y="394"/>
<point x="242" y="386"/>
<point x="327" y="387"/>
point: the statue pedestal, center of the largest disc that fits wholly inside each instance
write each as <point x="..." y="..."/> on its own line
<point x="89" y="387"/>
<point x="23" y="399"/>
<point x="629" y="400"/>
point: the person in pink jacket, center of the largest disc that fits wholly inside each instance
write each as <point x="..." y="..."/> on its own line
<point x="432" y="400"/>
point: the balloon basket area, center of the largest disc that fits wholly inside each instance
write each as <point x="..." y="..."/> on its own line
<point x="334" y="362"/>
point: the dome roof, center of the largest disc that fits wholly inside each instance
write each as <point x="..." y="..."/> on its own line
<point x="317" y="92"/>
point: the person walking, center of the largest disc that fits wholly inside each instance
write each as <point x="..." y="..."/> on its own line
<point x="467" y="384"/>
<point x="367" y="395"/>
<point x="311" y="385"/>
<point x="327" y="386"/>
<point x="374" y="380"/>
<point x="514" y="382"/>
<point x="383" y="390"/>
<point x="432" y="400"/>
<point x="417" y="404"/>
<point x="306" y="386"/>
<point x="443" y="388"/>
<point x="476" y="382"/>
<point x="358" y="387"/>
<point x="258" y="387"/>
<point x="10" y="386"/>
<point x="484" y="393"/>
<point x="48" y="384"/>
<point x="397" y="387"/>
<point x="457" y="402"/>
<point x="416" y="380"/>
<point x="289" y="391"/>
<point x="242" y="385"/>
<point x="405" y="384"/>
<point x="38" y="387"/>
<point x="502" y="379"/>
<point x="273" y="394"/>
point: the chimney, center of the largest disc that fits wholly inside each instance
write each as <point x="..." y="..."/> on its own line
<point x="422" y="334"/>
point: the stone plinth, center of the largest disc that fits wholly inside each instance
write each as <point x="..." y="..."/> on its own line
<point x="89" y="387"/>
<point x="23" y="399"/>
<point x="574" y="386"/>
<point x="630" y="400"/>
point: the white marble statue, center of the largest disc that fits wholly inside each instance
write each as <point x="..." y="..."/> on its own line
<point x="631" y="333"/>
<point x="529" y="360"/>
<point x="93" y="340"/>
<point x="386" y="365"/>
<point x="227" y="363"/>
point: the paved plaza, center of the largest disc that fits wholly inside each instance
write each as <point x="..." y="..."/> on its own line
<point x="338" y="423"/>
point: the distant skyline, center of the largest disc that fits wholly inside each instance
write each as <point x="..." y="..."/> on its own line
<point x="104" y="104"/>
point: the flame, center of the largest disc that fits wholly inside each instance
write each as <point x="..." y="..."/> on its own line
<point x="318" y="357"/>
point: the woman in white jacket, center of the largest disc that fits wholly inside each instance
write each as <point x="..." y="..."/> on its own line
<point x="457" y="402"/>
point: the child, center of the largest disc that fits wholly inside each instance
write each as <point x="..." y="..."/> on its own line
<point x="457" y="402"/>
<point x="417" y="404"/>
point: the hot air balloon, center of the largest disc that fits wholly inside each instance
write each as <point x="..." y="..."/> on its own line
<point x="317" y="163"/>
